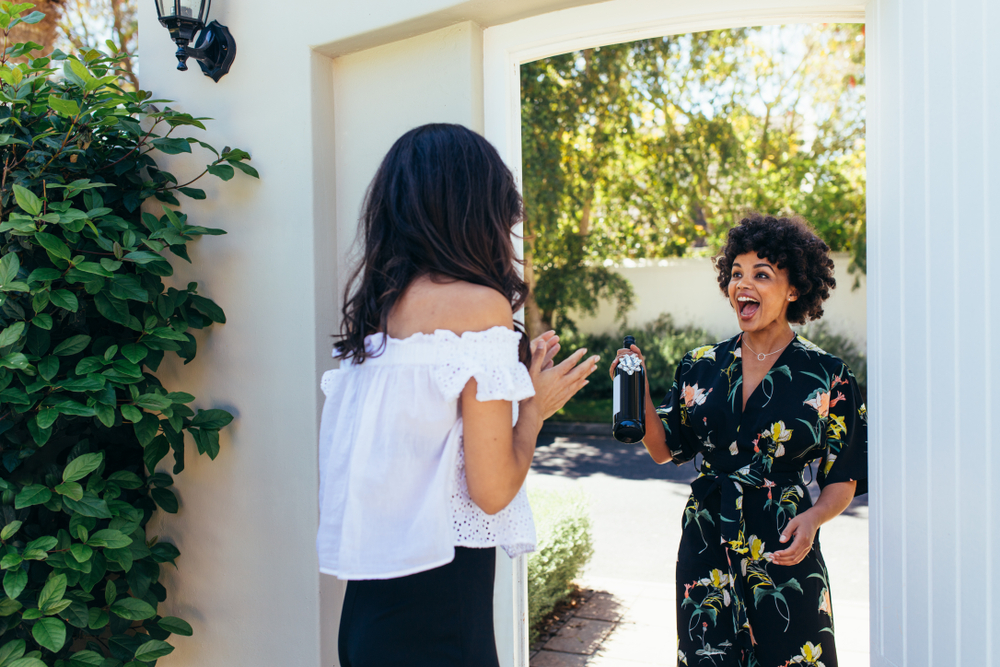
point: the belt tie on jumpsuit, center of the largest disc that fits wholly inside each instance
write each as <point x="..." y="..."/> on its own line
<point x="730" y="487"/>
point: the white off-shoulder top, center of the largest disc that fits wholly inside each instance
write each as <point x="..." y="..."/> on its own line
<point x="393" y="496"/>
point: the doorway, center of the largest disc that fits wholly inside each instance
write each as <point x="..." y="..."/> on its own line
<point x="508" y="46"/>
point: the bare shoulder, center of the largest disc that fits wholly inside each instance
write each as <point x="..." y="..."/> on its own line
<point x="470" y="307"/>
<point x="454" y="305"/>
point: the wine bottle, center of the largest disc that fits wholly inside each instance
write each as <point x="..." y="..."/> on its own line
<point x="629" y="412"/>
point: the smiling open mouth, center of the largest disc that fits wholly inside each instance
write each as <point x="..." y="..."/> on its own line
<point x="747" y="306"/>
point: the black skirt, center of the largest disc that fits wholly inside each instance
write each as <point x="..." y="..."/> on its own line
<point x="438" y="618"/>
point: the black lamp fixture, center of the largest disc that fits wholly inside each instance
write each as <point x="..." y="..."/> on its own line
<point x="215" y="48"/>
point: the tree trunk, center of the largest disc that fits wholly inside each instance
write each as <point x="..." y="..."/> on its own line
<point x="532" y="315"/>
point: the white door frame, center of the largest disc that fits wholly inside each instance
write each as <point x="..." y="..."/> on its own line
<point x="505" y="48"/>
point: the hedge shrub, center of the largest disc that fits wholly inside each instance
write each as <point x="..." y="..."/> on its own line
<point x="565" y="546"/>
<point x="664" y="344"/>
<point x="85" y="321"/>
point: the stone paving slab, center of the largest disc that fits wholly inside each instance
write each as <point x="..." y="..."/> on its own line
<point x="557" y="659"/>
<point x="579" y="635"/>
<point x="602" y="607"/>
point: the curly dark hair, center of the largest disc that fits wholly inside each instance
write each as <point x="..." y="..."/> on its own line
<point x="788" y="243"/>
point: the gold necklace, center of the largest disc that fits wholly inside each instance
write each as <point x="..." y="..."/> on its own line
<point x="760" y="355"/>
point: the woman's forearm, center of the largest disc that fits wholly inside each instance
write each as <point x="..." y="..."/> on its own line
<point x="655" y="439"/>
<point x="529" y="424"/>
<point x="833" y="500"/>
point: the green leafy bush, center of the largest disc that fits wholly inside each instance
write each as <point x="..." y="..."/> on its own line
<point x="663" y="344"/>
<point x="565" y="546"/>
<point x="85" y="320"/>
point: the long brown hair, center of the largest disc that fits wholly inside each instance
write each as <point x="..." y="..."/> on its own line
<point x="442" y="204"/>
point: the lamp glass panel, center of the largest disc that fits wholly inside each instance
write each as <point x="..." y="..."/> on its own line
<point x="165" y="8"/>
<point x="191" y="9"/>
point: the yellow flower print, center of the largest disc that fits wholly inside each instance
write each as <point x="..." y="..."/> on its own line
<point x="757" y="549"/>
<point x="837" y="426"/>
<point x="738" y="545"/>
<point x="830" y="460"/>
<point x="703" y="352"/>
<point x="719" y="578"/>
<point x="681" y="658"/>
<point x="693" y="395"/>
<point x="809" y="656"/>
<point x="779" y="433"/>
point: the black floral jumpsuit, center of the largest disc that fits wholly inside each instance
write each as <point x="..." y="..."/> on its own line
<point x="735" y="608"/>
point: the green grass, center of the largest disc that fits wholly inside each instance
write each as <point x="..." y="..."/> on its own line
<point x="582" y="409"/>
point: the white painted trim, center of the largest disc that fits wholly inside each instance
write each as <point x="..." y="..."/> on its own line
<point x="507" y="46"/>
<point x="520" y="610"/>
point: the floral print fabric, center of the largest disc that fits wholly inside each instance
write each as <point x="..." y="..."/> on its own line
<point x="735" y="607"/>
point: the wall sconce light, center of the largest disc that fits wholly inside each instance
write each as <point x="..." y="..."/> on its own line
<point x="215" y="48"/>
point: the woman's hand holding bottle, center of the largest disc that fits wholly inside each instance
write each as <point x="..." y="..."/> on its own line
<point x="655" y="438"/>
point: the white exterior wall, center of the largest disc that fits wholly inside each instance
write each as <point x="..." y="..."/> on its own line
<point x="316" y="97"/>
<point x="933" y="206"/>
<point x="687" y="289"/>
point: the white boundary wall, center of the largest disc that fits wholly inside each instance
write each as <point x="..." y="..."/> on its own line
<point x="686" y="288"/>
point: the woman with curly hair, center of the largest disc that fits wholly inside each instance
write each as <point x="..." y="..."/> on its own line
<point x="752" y="587"/>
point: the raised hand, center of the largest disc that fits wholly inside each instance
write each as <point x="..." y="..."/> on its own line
<point x="556" y="384"/>
<point x="553" y="347"/>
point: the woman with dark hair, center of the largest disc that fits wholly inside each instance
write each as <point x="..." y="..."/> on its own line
<point x="752" y="587"/>
<point x="430" y="422"/>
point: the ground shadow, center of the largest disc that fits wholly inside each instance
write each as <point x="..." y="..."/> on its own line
<point x="576" y="456"/>
<point x="585" y="455"/>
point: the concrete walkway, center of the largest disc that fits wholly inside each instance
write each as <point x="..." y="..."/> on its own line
<point x="629" y="619"/>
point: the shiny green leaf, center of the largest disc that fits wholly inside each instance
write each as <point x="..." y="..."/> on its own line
<point x="176" y="626"/>
<point x="34" y="494"/>
<point x="27" y="200"/>
<point x="72" y="345"/>
<point x="108" y="538"/>
<point x="9" y="530"/>
<point x="82" y="466"/>
<point x="133" y="609"/>
<point x="153" y="650"/>
<point x="211" y="419"/>
<point x="50" y="633"/>
<point x="70" y="489"/>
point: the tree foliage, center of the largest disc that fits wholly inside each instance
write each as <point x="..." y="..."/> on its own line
<point x="86" y="24"/>
<point x="44" y="32"/>
<point x="85" y="321"/>
<point x="653" y="148"/>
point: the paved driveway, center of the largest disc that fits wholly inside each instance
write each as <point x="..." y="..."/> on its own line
<point x="636" y="508"/>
